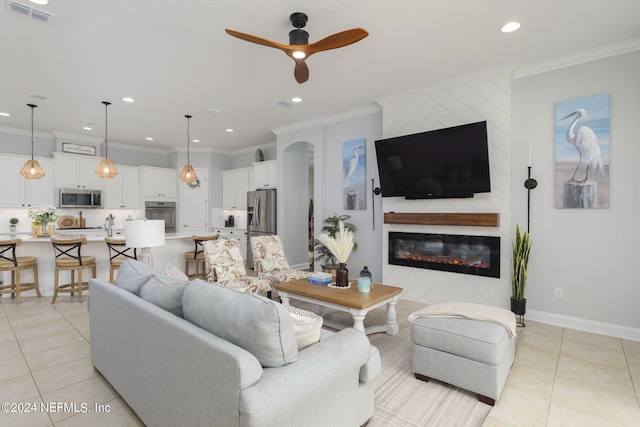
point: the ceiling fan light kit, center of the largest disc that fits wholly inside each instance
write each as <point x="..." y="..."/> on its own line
<point x="106" y="168"/>
<point x="299" y="48"/>
<point x="32" y="169"/>
<point x="188" y="174"/>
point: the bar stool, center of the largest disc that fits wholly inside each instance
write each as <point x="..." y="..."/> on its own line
<point x="118" y="253"/>
<point x="68" y="257"/>
<point x="15" y="264"/>
<point x="197" y="256"/>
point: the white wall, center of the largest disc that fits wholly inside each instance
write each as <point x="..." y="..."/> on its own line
<point x="590" y="253"/>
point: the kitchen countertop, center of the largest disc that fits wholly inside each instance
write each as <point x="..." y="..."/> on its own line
<point x="93" y="236"/>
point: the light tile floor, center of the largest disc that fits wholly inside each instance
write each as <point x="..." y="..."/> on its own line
<point x="561" y="377"/>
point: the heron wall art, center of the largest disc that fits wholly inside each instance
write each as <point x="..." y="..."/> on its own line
<point x="354" y="161"/>
<point x="582" y="152"/>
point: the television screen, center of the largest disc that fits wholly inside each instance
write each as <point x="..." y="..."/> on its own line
<point x="449" y="162"/>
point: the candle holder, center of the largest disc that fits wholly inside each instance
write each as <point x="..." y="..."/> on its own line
<point x="529" y="184"/>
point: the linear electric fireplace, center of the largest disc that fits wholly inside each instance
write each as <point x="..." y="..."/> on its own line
<point x="477" y="255"/>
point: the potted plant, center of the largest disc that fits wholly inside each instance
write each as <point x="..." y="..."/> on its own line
<point x="521" y="249"/>
<point x="13" y="222"/>
<point x="330" y="227"/>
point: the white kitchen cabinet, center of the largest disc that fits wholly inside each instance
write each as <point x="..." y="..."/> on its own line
<point x="77" y="171"/>
<point x="122" y="191"/>
<point x="19" y="192"/>
<point x="159" y="183"/>
<point x="265" y="174"/>
<point x="235" y="184"/>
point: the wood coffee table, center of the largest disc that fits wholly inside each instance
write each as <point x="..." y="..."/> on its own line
<point x="348" y="300"/>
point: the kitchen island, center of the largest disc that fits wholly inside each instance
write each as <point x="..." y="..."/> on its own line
<point x="176" y="244"/>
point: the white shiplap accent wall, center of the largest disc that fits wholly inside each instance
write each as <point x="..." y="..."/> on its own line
<point x="466" y="101"/>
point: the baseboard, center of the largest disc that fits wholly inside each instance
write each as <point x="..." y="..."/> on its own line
<point x="303" y="266"/>
<point x="586" y="325"/>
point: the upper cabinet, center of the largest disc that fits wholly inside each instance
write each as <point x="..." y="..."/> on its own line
<point x="265" y="174"/>
<point x="159" y="183"/>
<point x="19" y="192"/>
<point x="122" y="191"/>
<point x="235" y="184"/>
<point x="77" y="171"/>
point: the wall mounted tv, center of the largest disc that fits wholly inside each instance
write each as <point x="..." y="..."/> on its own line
<point x="444" y="163"/>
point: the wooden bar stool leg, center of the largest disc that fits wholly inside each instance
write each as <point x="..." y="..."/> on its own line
<point x="16" y="281"/>
<point x="36" y="280"/>
<point x="79" y="284"/>
<point x="55" y="285"/>
<point x="13" y="282"/>
<point x="73" y="280"/>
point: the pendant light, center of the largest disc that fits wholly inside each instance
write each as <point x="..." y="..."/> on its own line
<point x="106" y="168"/>
<point x="188" y="174"/>
<point x="32" y="169"/>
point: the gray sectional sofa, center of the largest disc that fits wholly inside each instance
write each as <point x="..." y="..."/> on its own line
<point x="199" y="354"/>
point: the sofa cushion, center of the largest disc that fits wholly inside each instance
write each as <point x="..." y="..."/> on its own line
<point x="259" y="325"/>
<point x="165" y="292"/>
<point x="307" y="326"/>
<point x="175" y="272"/>
<point x="132" y="275"/>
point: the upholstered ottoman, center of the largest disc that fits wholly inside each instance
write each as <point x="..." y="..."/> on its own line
<point x="451" y="344"/>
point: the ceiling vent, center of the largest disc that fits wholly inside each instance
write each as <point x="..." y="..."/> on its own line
<point x="285" y="103"/>
<point x="25" y="9"/>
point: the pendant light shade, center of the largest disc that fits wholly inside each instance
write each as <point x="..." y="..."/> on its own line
<point x="32" y="169"/>
<point x="188" y="174"/>
<point x="106" y="168"/>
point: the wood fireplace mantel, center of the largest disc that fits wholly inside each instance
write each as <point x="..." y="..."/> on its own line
<point x="468" y="219"/>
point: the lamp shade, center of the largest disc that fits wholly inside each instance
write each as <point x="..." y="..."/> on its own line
<point x="188" y="174"/>
<point x="144" y="233"/>
<point x="32" y="170"/>
<point x="106" y="169"/>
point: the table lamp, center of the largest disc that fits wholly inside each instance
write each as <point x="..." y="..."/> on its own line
<point x="144" y="234"/>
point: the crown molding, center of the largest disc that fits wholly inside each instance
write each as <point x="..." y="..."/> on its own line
<point x="80" y="138"/>
<point x="25" y="132"/>
<point x="578" y="58"/>
<point x="360" y="112"/>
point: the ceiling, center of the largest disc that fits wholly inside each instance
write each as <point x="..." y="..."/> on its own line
<point x="174" y="58"/>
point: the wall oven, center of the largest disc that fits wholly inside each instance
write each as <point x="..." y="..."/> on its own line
<point x="87" y="199"/>
<point x="162" y="210"/>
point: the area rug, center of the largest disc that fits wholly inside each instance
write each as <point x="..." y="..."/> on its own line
<point x="401" y="399"/>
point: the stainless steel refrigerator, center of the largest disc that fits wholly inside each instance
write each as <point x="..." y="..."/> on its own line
<point x="261" y="216"/>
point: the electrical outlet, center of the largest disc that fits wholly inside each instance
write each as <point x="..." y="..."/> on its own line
<point x="558" y="292"/>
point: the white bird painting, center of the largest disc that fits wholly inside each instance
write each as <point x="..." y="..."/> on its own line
<point x="353" y="174"/>
<point x="586" y="143"/>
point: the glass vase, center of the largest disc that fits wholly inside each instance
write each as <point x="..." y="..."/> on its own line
<point x="342" y="275"/>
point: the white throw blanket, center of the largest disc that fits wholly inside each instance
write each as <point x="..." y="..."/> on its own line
<point x="469" y="310"/>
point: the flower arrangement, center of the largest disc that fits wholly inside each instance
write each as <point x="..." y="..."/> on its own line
<point x="194" y="184"/>
<point x="43" y="215"/>
<point x="341" y="245"/>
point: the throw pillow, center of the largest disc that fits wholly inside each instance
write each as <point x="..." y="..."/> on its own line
<point x="175" y="272"/>
<point x="307" y="326"/>
<point x="261" y="326"/>
<point x="165" y="292"/>
<point x="132" y="275"/>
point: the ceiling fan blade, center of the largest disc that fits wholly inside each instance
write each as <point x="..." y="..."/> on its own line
<point x="343" y="38"/>
<point x="257" y="40"/>
<point x="301" y="71"/>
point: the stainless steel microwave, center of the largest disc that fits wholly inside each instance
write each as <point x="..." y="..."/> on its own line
<point x="73" y="198"/>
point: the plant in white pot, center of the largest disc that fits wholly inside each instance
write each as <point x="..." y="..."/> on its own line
<point x="12" y="224"/>
<point x="521" y="249"/>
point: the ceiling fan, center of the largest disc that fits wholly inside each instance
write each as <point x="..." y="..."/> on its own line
<point x="299" y="48"/>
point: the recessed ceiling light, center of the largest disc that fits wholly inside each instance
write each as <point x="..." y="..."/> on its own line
<point x="127" y="99"/>
<point x="296" y="99"/>
<point x="510" y="27"/>
<point x="5" y="114"/>
<point x="229" y="130"/>
<point x="195" y="140"/>
<point x="87" y="128"/>
<point x="149" y="138"/>
<point x="40" y="2"/>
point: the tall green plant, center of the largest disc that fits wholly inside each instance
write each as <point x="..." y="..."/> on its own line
<point x="330" y="226"/>
<point x="521" y="249"/>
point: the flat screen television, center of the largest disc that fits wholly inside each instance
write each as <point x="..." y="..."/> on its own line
<point x="445" y="163"/>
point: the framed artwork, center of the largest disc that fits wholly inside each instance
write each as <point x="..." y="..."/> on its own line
<point x="354" y="161"/>
<point x="582" y="152"/>
<point x="68" y="147"/>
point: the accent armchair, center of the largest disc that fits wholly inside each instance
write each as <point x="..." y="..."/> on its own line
<point x="270" y="261"/>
